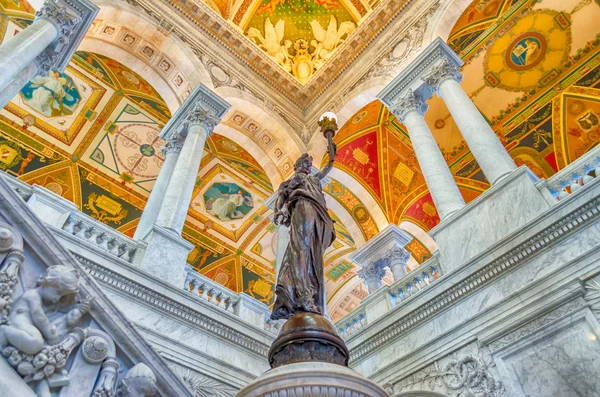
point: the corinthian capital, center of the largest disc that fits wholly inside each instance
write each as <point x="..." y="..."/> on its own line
<point x="64" y="20"/>
<point x="173" y="145"/>
<point x="372" y="275"/>
<point x="409" y="102"/>
<point x="444" y="71"/>
<point x="201" y="116"/>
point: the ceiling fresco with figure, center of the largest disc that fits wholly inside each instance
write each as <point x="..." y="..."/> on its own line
<point x="299" y="35"/>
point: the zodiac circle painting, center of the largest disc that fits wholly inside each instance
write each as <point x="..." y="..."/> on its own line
<point x="526" y="51"/>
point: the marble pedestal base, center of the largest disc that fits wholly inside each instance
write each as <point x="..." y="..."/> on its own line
<point x="505" y="207"/>
<point x="166" y="255"/>
<point x="312" y="379"/>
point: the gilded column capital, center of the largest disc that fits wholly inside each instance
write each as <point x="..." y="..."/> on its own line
<point x="438" y="74"/>
<point x="409" y="102"/>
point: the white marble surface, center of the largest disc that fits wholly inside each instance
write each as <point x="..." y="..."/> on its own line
<point x="561" y="360"/>
<point x="157" y="195"/>
<point x="488" y="219"/>
<point x="438" y="177"/>
<point x="487" y="149"/>
<point x="176" y="202"/>
<point x="487" y="305"/>
<point x="11" y="383"/>
<point x="50" y="207"/>
<point x="312" y="379"/>
<point x="208" y="345"/>
<point x="20" y="50"/>
<point x="166" y="256"/>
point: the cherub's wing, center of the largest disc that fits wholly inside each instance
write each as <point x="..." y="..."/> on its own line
<point x="270" y="34"/>
<point x="346" y="27"/>
<point x="332" y="27"/>
<point x="318" y="30"/>
<point x="279" y="30"/>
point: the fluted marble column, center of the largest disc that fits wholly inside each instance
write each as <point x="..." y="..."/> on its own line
<point x="489" y="152"/>
<point x="180" y="188"/>
<point x="171" y="152"/>
<point x="372" y="275"/>
<point x="409" y="109"/>
<point x="397" y="262"/>
<point x="52" y="28"/>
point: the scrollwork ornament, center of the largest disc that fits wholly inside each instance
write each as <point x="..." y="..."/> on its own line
<point x="410" y="102"/>
<point x="438" y="74"/>
<point x="371" y="273"/>
<point x="467" y="375"/>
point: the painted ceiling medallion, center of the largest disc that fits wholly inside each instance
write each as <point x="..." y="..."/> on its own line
<point x="518" y="61"/>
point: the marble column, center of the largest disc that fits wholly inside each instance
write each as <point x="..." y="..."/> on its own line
<point x="397" y="262"/>
<point x="487" y="149"/>
<point x="170" y="152"/>
<point x="372" y="275"/>
<point x="410" y="109"/>
<point x="180" y="188"/>
<point x="40" y="42"/>
<point x="166" y="254"/>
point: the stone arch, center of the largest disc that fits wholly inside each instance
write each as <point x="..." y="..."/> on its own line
<point x="281" y="135"/>
<point x="172" y="60"/>
<point x="444" y="20"/>
<point x="109" y="50"/>
<point x="255" y="151"/>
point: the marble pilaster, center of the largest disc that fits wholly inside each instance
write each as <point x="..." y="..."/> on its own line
<point x="489" y="152"/>
<point x="170" y="152"/>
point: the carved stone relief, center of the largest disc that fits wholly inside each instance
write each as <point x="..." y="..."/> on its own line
<point x="202" y="386"/>
<point x="468" y="372"/>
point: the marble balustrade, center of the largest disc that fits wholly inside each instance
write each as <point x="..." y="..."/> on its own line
<point x="580" y="173"/>
<point x="351" y="323"/>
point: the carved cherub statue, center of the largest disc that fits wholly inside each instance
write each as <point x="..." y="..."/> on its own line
<point x="29" y="327"/>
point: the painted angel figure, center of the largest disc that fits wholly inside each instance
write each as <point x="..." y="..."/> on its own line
<point x="271" y="41"/>
<point x="53" y="95"/>
<point x="328" y="40"/>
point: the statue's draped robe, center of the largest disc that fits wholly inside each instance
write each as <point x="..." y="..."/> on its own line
<point x="300" y="283"/>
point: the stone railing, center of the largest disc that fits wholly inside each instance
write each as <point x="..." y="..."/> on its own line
<point x="388" y="297"/>
<point x="417" y="280"/>
<point x="573" y="177"/>
<point x="96" y="233"/>
<point x="210" y="291"/>
<point x="240" y="305"/>
<point x="351" y="323"/>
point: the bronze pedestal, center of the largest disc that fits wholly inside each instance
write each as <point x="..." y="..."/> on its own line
<point x="308" y="337"/>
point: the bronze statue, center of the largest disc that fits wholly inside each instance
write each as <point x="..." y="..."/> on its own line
<point x="301" y="206"/>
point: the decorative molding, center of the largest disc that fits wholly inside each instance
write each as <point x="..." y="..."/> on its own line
<point x="592" y="295"/>
<point x="159" y="301"/>
<point x="440" y="73"/>
<point x="200" y="385"/>
<point x="409" y="102"/>
<point x="532" y="326"/>
<point x="555" y="232"/>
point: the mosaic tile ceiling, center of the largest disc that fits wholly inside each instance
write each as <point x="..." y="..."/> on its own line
<point x="300" y="35"/>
